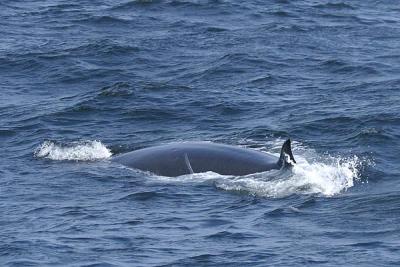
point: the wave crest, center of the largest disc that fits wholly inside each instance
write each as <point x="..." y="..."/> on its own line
<point x="78" y="151"/>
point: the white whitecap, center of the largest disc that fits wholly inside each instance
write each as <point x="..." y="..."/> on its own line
<point x="78" y="151"/>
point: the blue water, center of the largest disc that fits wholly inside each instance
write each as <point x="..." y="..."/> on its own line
<point x="83" y="80"/>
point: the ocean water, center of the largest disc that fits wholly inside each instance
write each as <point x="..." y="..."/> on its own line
<point x="81" y="81"/>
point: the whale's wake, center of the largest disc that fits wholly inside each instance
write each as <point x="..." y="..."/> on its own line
<point x="327" y="179"/>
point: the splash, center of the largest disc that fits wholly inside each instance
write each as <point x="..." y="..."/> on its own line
<point x="78" y="151"/>
<point x="324" y="178"/>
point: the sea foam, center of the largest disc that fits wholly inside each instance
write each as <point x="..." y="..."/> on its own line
<point x="324" y="178"/>
<point x="78" y="151"/>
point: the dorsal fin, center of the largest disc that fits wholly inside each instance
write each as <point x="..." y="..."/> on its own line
<point x="286" y="158"/>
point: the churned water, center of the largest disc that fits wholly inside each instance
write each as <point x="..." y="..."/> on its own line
<point x="82" y="81"/>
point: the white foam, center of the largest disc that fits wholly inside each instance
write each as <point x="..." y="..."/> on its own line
<point x="78" y="151"/>
<point x="326" y="179"/>
<point x="326" y="176"/>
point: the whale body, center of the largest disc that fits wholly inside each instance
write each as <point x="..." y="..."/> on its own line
<point x="196" y="157"/>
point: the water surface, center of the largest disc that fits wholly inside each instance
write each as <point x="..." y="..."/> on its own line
<point x="84" y="80"/>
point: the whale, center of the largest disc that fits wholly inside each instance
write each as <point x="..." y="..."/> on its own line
<point x="176" y="159"/>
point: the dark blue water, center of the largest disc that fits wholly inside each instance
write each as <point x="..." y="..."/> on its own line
<point x="83" y="80"/>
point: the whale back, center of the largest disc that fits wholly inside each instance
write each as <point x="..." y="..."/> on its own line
<point x="195" y="157"/>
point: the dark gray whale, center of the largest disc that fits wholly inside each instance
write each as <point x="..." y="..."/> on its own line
<point x="195" y="157"/>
